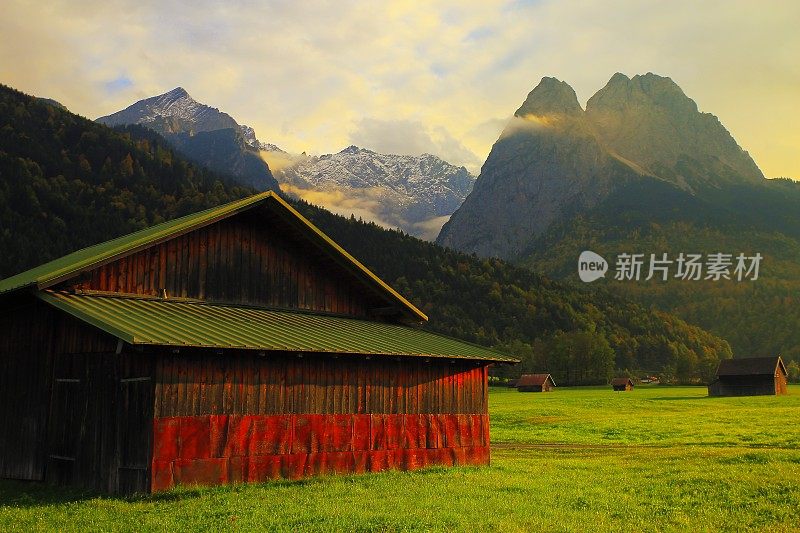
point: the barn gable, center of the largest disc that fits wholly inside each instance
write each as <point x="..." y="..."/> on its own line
<point x="256" y="251"/>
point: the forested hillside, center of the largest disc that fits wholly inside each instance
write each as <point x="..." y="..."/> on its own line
<point x="758" y="318"/>
<point x="66" y="182"/>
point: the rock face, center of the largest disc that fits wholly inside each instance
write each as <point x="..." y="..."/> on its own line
<point x="203" y="133"/>
<point x="414" y="193"/>
<point x="554" y="159"/>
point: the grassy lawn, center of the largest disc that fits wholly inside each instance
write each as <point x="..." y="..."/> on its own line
<point x="585" y="459"/>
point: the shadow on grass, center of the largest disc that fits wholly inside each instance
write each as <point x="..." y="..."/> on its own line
<point x="17" y="493"/>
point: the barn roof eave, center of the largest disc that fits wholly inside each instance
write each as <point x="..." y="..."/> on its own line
<point x="196" y="324"/>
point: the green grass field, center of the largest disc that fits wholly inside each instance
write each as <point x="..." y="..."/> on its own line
<point x="584" y="459"/>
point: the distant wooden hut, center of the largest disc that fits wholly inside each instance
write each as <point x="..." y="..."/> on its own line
<point x="622" y="384"/>
<point x="236" y="344"/>
<point x="751" y="376"/>
<point x="535" y="383"/>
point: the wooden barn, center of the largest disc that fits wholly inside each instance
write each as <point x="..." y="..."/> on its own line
<point x="236" y="344"/>
<point x="622" y="384"/>
<point x="535" y="383"/>
<point x="750" y="376"/>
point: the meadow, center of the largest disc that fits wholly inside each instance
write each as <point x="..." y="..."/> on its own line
<point x="658" y="458"/>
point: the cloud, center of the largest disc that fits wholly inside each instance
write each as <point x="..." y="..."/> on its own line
<point x="278" y="161"/>
<point x="429" y="229"/>
<point x="306" y="75"/>
<point x="361" y="205"/>
<point x="407" y="137"/>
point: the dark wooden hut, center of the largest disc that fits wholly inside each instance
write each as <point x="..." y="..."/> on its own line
<point x="236" y="344"/>
<point x="535" y="383"/>
<point x="622" y="384"/>
<point x="751" y="376"/>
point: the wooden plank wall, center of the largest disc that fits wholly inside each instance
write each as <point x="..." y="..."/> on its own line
<point x="193" y="384"/>
<point x="745" y="386"/>
<point x="25" y="370"/>
<point x="101" y="421"/>
<point x="237" y="417"/>
<point x="234" y="261"/>
<point x="30" y="336"/>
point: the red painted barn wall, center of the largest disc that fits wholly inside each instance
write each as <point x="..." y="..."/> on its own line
<point x="239" y="417"/>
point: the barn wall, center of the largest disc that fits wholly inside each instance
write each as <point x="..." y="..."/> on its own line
<point x="25" y="372"/>
<point x="781" y="384"/>
<point x="58" y="401"/>
<point x="100" y="422"/>
<point x="240" y="417"/>
<point x="234" y="261"/>
<point x="743" y="386"/>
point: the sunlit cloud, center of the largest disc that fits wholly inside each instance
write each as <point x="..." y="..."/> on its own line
<point x="360" y="203"/>
<point x="307" y="75"/>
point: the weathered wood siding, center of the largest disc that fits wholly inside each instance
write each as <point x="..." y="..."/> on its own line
<point x="199" y="383"/>
<point x="749" y="385"/>
<point x="239" y="417"/>
<point x="235" y="261"/>
<point x="101" y="421"/>
<point x="781" y="383"/>
<point x="25" y="372"/>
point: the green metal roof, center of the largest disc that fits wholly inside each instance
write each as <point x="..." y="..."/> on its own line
<point x="190" y="323"/>
<point x="92" y="257"/>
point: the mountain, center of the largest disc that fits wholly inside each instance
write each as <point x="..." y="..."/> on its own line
<point x="413" y="193"/>
<point x="66" y="183"/>
<point x="640" y="170"/>
<point x="547" y="164"/>
<point x="554" y="159"/>
<point x="203" y="133"/>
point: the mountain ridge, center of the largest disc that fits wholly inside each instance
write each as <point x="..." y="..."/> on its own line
<point x="203" y="133"/>
<point x="413" y="193"/>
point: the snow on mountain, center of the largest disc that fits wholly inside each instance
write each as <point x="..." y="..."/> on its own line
<point x="172" y="112"/>
<point x="414" y="193"/>
<point x="202" y="133"/>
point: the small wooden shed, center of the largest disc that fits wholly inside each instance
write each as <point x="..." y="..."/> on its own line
<point x="236" y="344"/>
<point x="750" y="376"/>
<point x="622" y="384"/>
<point x="535" y="383"/>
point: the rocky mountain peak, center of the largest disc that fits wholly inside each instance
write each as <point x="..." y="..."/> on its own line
<point x="203" y="133"/>
<point x="176" y="93"/>
<point x="648" y="90"/>
<point x="353" y="149"/>
<point x="551" y="96"/>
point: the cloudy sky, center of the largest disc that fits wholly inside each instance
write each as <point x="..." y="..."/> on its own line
<point x="408" y="77"/>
